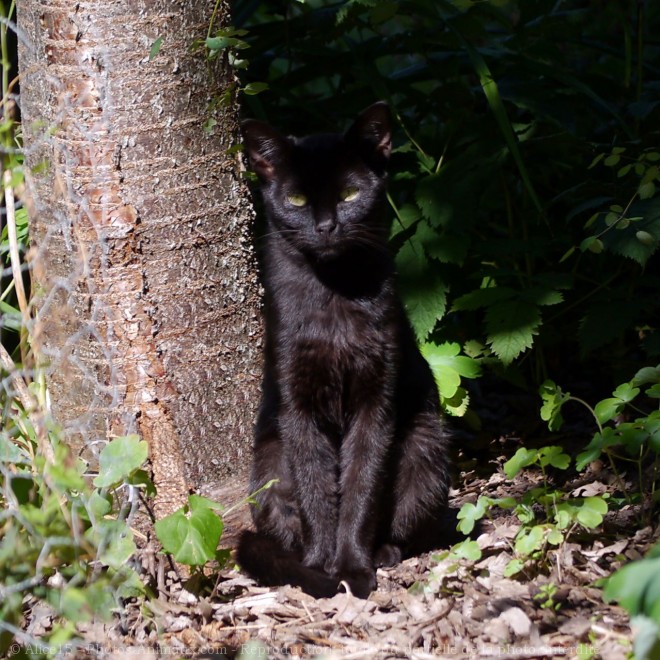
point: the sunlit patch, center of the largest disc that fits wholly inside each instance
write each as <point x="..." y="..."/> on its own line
<point x="349" y="194"/>
<point x="297" y="199"/>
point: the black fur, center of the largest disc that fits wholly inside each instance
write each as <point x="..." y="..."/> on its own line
<point x="350" y="421"/>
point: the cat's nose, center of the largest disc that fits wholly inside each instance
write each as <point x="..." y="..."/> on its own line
<point x="326" y="226"/>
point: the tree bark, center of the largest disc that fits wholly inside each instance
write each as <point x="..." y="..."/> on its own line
<point x="146" y="287"/>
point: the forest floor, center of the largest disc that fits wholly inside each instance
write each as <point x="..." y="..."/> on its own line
<point x="426" y="607"/>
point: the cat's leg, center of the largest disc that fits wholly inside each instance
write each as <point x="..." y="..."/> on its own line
<point x="276" y="513"/>
<point x="273" y="554"/>
<point x="312" y="460"/>
<point x="364" y="452"/>
<point x="421" y="484"/>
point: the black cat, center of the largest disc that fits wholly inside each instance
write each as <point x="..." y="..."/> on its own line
<point x="350" y="421"/>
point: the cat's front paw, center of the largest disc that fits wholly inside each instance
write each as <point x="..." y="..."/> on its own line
<point x="388" y="554"/>
<point x="361" y="582"/>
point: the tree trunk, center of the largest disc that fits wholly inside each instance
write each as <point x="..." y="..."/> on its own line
<point x="146" y="291"/>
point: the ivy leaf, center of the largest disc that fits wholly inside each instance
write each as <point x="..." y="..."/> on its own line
<point x="191" y="539"/>
<point x="118" y="551"/>
<point x="119" y="458"/>
<point x="511" y="326"/>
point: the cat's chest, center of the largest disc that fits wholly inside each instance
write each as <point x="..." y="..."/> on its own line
<point x="328" y="333"/>
<point x="335" y="354"/>
<point x="333" y="323"/>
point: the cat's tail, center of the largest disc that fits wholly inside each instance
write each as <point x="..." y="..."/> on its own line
<point x="262" y="558"/>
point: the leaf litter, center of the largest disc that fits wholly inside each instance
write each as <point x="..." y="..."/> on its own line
<point x="430" y="606"/>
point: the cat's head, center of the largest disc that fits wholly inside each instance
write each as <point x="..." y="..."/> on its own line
<point x="323" y="193"/>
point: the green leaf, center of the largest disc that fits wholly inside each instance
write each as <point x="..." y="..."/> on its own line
<point x="521" y="459"/>
<point x="629" y="584"/>
<point x="98" y="505"/>
<point x="209" y="125"/>
<point x="529" y="541"/>
<point x="456" y="405"/>
<point x="191" y="539"/>
<point x="607" y="321"/>
<point x="564" y="515"/>
<point x="197" y="502"/>
<point x="467" y="549"/>
<point x="553" y="400"/>
<point x="255" y="88"/>
<point x="513" y="567"/>
<point x="554" y="456"/>
<point x="591" y="513"/>
<point x="155" y="48"/>
<point x="593" y="244"/>
<point x="511" y="326"/>
<point x="424" y="295"/>
<point x="119" y="550"/>
<point x="406" y="216"/>
<point x="496" y="104"/>
<point x="607" y="409"/>
<point x="482" y="298"/>
<point x="645" y="238"/>
<point x="119" y="458"/>
<point x="431" y="200"/>
<point x="468" y="515"/>
<point x="555" y="537"/>
<point x="543" y="297"/>
<point x="10" y="452"/>
<point x="587" y="457"/>
<point x="647" y="637"/>
<point x="646" y="190"/>
<point x="626" y="392"/>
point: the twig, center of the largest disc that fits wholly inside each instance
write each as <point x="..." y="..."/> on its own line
<point x="13" y="248"/>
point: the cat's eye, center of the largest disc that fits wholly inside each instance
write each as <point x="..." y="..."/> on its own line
<point x="297" y="199"/>
<point x="349" y="194"/>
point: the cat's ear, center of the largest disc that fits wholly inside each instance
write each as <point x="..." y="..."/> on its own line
<point x="264" y="146"/>
<point x="371" y="132"/>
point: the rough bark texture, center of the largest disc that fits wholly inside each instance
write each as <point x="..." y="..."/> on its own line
<point x="148" y="299"/>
